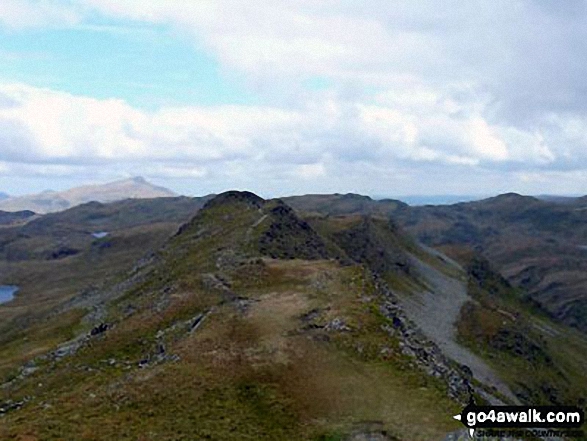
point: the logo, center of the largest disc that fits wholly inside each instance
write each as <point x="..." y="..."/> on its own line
<point x="516" y="417"/>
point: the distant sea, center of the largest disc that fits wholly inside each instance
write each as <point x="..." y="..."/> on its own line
<point x="434" y="199"/>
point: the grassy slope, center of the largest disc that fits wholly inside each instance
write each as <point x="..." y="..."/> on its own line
<point x="542" y="361"/>
<point x="135" y="226"/>
<point x="541" y="367"/>
<point x="254" y="375"/>
<point x="263" y="365"/>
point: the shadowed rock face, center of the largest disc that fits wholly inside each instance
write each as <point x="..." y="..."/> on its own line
<point x="289" y="237"/>
<point x="365" y="243"/>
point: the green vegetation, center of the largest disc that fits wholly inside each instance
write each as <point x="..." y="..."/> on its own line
<point x="511" y="337"/>
<point x="249" y="322"/>
<point x="289" y="348"/>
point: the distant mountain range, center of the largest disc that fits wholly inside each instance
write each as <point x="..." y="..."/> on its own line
<point x="557" y="198"/>
<point x="52" y="201"/>
<point x="451" y="199"/>
<point x="3" y="196"/>
<point x="538" y="244"/>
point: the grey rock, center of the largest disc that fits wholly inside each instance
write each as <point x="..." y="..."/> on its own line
<point x="337" y="324"/>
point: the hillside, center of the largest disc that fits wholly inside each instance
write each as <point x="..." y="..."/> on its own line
<point x="538" y="245"/>
<point x="52" y="201"/>
<point x="343" y="204"/>
<point x="11" y="218"/>
<point x="56" y="256"/>
<point x="253" y="322"/>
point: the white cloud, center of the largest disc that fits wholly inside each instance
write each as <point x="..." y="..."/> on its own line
<point x="485" y="141"/>
<point x="462" y="85"/>
<point x="19" y="14"/>
<point x="310" y="171"/>
<point x="45" y="126"/>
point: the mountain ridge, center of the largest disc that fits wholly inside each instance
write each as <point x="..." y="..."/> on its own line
<point x="537" y="244"/>
<point x="252" y="319"/>
<point x="259" y="309"/>
<point x="52" y="201"/>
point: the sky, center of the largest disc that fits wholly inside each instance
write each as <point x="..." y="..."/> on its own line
<point x="388" y="98"/>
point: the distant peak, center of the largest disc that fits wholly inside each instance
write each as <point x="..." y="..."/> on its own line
<point x="513" y="196"/>
<point x="355" y="196"/>
<point x="139" y="180"/>
<point x="510" y="195"/>
<point x="506" y="200"/>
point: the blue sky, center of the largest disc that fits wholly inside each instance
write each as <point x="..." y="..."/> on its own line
<point x="383" y="98"/>
<point x="148" y="67"/>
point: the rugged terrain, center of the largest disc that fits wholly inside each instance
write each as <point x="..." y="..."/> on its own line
<point x="254" y="321"/>
<point x="537" y="245"/>
<point x="56" y="256"/>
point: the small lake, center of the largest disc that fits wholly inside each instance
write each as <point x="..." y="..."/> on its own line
<point x="100" y="234"/>
<point x="7" y="293"/>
